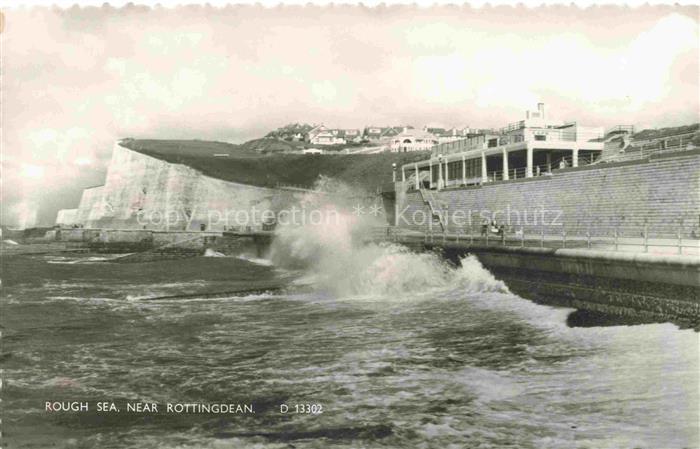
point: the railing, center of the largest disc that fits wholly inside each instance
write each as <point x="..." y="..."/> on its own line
<point x="502" y="138"/>
<point x="663" y="145"/>
<point x="542" y="169"/>
<point x="512" y="126"/>
<point x="620" y="129"/>
<point x="537" y="170"/>
<point x="568" y="161"/>
<point x="679" y="239"/>
<point x="513" y="173"/>
<point x="549" y="135"/>
<point x="259" y="228"/>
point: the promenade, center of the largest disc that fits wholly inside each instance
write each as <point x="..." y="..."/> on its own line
<point x="653" y="246"/>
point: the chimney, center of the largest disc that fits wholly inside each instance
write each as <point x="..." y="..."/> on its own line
<point x="540" y="109"/>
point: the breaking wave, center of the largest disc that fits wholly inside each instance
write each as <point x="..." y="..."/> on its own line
<point x="336" y="254"/>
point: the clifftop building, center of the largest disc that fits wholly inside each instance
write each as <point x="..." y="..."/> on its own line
<point x="321" y="135"/>
<point x="413" y="140"/>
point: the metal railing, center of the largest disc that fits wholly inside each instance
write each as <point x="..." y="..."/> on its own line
<point x="629" y="129"/>
<point x="543" y="169"/>
<point x="512" y="127"/>
<point x="667" y="145"/>
<point x="258" y="228"/>
<point x="679" y="239"/>
<point x="549" y="135"/>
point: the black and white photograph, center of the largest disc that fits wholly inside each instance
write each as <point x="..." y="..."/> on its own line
<point x="349" y="226"/>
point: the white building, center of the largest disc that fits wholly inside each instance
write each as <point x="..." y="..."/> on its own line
<point x="413" y="140"/>
<point x="531" y="147"/>
<point x="321" y="135"/>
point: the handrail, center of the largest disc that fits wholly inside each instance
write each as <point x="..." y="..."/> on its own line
<point x="542" y="169"/>
<point x="564" y="237"/>
<point x="641" y="152"/>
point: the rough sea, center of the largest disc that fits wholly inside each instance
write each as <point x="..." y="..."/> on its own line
<point x="396" y="350"/>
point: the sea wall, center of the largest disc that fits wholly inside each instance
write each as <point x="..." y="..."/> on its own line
<point x="596" y="198"/>
<point x="143" y="192"/>
<point x="157" y="245"/>
<point x="634" y="286"/>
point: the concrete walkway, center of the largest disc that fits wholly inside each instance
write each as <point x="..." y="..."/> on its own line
<point x="656" y="246"/>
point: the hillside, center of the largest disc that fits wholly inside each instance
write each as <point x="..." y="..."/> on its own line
<point x="648" y="134"/>
<point x="271" y="145"/>
<point x="176" y="148"/>
<point x="247" y="166"/>
<point x="268" y="145"/>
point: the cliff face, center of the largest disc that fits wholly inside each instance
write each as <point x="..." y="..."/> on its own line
<point x="142" y="192"/>
<point x="66" y="217"/>
<point x="90" y="207"/>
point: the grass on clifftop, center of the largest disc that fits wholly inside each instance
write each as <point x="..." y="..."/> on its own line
<point x="368" y="171"/>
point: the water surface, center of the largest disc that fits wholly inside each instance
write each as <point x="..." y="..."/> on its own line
<point x="400" y="362"/>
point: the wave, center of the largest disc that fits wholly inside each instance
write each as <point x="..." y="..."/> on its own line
<point x="334" y="253"/>
<point x="255" y="260"/>
<point x="211" y="253"/>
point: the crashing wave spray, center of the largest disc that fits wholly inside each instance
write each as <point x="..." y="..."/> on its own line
<point x="335" y="253"/>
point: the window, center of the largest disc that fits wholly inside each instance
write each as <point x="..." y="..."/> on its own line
<point x="541" y="137"/>
<point x="454" y="170"/>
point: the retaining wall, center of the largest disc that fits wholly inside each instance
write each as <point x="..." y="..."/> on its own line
<point x="640" y="287"/>
<point x="660" y="190"/>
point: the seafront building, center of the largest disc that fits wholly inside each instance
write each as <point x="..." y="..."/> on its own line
<point x="527" y="148"/>
<point x="621" y="183"/>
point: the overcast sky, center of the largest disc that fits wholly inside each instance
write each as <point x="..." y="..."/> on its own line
<point x="76" y="80"/>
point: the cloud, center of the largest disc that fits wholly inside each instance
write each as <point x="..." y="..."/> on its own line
<point x="78" y="79"/>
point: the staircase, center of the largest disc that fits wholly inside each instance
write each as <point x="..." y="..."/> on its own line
<point x="435" y="213"/>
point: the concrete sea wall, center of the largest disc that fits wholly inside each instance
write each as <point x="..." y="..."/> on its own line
<point x="598" y="198"/>
<point x="652" y="194"/>
<point x="634" y="286"/>
<point x="155" y="245"/>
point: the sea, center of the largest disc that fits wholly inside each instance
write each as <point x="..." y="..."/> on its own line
<point x="366" y="345"/>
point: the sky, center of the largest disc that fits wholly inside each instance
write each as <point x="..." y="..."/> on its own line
<point x="76" y="80"/>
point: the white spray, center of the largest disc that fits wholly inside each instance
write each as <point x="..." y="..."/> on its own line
<point x="334" y="253"/>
